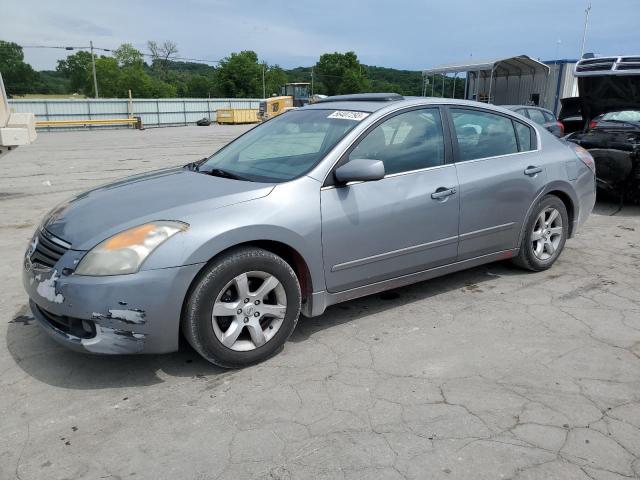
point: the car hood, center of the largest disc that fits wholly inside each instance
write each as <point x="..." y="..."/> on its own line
<point x="170" y="194"/>
<point x="608" y="93"/>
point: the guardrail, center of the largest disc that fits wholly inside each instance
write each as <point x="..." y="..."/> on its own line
<point x="136" y="122"/>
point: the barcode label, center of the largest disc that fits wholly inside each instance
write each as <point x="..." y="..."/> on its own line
<point x="348" y="115"/>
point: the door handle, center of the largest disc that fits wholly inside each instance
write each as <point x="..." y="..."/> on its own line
<point x="443" y="192"/>
<point x="532" y="170"/>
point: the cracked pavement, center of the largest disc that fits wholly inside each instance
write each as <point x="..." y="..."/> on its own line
<point x="492" y="373"/>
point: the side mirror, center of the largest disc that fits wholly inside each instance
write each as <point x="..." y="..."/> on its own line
<point x="360" y="170"/>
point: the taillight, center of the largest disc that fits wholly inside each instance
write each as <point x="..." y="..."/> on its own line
<point x="561" y="127"/>
<point x="586" y="157"/>
<point x="593" y="124"/>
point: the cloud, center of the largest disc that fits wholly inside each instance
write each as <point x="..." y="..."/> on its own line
<point x="410" y="34"/>
<point x="78" y="26"/>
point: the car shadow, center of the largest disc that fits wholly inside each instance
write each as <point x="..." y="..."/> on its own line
<point x="470" y="280"/>
<point x="43" y="359"/>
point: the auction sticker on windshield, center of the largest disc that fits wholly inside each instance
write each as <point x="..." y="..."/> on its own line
<point x="349" y="115"/>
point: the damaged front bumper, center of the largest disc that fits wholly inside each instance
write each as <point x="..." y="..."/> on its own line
<point x="121" y="314"/>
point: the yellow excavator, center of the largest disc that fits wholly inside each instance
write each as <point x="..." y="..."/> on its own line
<point x="291" y="95"/>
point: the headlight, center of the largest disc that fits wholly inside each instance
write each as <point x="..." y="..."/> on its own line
<point x="124" y="253"/>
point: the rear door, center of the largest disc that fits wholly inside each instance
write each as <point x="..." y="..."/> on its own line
<point x="499" y="174"/>
<point x="404" y="223"/>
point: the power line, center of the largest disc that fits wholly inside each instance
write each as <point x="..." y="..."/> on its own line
<point x="111" y="50"/>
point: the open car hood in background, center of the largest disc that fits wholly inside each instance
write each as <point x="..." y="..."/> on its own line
<point x="608" y="93"/>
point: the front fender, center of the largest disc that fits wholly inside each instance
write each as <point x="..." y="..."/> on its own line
<point x="289" y="215"/>
<point x="256" y="233"/>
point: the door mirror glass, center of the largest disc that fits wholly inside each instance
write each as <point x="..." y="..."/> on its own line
<point x="360" y="170"/>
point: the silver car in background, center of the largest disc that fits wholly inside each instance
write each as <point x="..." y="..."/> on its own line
<point x="347" y="197"/>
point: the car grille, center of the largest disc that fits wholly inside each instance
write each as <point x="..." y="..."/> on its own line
<point x="49" y="249"/>
<point x="595" y="65"/>
<point x="604" y="64"/>
<point x="72" y="326"/>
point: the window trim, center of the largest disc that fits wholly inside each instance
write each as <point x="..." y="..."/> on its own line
<point x="329" y="180"/>
<point x="535" y="139"/>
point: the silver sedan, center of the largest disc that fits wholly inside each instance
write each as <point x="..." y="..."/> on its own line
<point x="340" y="199"/>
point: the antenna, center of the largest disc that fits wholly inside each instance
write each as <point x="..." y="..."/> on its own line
<point x="586" y="25"/>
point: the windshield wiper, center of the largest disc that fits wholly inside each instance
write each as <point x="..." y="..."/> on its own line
<point x="218" y="172"/>
<point x="195" y="166"/>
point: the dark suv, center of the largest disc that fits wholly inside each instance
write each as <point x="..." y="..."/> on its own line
<point x="609" y="104"/>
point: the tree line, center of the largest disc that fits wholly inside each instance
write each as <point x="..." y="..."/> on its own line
<point x="160" y="74"/>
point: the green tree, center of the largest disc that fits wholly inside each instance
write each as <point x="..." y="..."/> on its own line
<point x="198" y="86"/>
<point x="76" y="68"/>
<point x="128" y="56"/>
<point x="341" y="73"/>
<point x="19" y="78"/>
<point x="239" y="75"/>
<point x="275" y="77"/>
<point x="109" y="78"/>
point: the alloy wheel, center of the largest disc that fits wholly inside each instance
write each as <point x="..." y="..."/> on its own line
<point x="547" y="233"/>
<point x="249" y="311"/>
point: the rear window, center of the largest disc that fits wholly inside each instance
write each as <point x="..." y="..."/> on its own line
<point x="524" y="136"/>
<point x="548" y="116"/>
<point x="623" y="116"/>
<point x="536" y="116"/>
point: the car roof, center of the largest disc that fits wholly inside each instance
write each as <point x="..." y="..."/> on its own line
<point x="534" y="107"/>
<point x="354" y="103"/>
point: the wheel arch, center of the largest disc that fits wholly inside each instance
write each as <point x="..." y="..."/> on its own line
<point x="564" y="192"/>
<point x="568" y="204"/>
<point x="285" y="250"/>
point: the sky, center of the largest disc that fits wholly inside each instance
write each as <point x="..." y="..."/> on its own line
<point x="407" y="34"/>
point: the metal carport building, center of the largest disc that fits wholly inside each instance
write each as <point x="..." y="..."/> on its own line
<point x="517" y="80"/>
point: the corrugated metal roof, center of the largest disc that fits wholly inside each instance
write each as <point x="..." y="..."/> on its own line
<point x="521" y="64"/>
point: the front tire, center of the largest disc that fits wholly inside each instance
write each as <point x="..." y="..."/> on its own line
<point x="243" y="308"/>
<point x="544" y="236"/>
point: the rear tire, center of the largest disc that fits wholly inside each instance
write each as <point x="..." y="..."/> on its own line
<point x="243" y="308"/>
<point x="544" y="235"/>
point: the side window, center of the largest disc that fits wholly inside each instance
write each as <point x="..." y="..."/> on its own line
<point x="408" y="141"/>
<point x="548" y="116"/>
<point x="483" y="134"/>
<point x="524" y="136"/>
<point x="536" y="116"/>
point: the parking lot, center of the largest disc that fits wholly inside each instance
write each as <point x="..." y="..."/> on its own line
<point x="492" y="373"/>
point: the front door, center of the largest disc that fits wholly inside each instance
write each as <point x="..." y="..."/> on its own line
<point x="500" y="174"/>
<point x="404" y="223"/>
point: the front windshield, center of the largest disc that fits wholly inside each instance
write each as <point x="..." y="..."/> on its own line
<point x="623" y="116"/>
<point x="285" y="147"/>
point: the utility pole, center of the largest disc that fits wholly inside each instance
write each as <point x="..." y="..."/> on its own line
<point x="93" y="67"/>
<point x="586" y="24"/>
<point x="311" y="80"/>
<point x="264" y="89"/>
